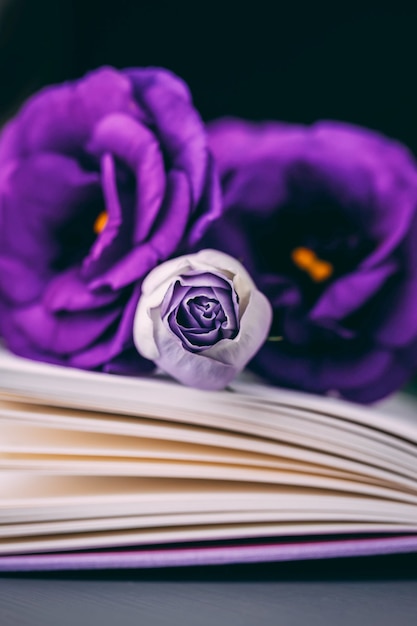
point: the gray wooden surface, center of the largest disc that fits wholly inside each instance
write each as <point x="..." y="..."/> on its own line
<point x="337" y="595"/>
<point x="58" y="603"/>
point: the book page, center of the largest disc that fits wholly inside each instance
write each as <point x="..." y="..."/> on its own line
<point x="30" y="441"/>
<point x="173" y="534"/>
<point x="115" y="460"/>
<point x="157" y="397"/>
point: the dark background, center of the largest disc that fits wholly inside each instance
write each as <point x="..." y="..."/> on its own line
<point x="294" y="62"/>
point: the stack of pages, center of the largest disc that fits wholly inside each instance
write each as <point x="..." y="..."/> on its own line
<point x="101" y="471"/>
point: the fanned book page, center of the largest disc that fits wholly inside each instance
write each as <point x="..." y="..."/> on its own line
<point x="92" y="461"/>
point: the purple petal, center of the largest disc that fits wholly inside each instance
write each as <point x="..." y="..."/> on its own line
<point x="47" y="190"/>
<point x="204" y="312"/>
<point x="281" y="291"/>
<point x="168" y="233"/>
<point x="111" y="242"/>
<point x="189" y="320"/>
<point x="390" y="174"/>
<point x="112" y="345"/>
<point x="20" y="282"/>
<point x="391" y="379"/>
<point x="173" y="217"/>
<point x="325" y="372"/>
<point x="349" y="293"/>
<point x="235" y="142"/>
<point x="398" y="326"/>
<point x="129" y="363"/>
<point x="198" y="340"/>
<point x="17" y="342"/>
<point x="135" y="145"/>
<point x="210" y="207"/>
<point x="61" y="118"/>
<point x="176" y="292"/>
<point x="177" y="123"/>
<point x="63" y="334"/>
<point x="68" y="292"/>
<point x="134" y="266"/>
<point x="230" y="306"/>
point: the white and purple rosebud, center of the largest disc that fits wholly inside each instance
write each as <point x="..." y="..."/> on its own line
<point x="200" y="318"/>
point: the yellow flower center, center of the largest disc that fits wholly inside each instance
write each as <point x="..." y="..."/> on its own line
<point x="100" y="223"/>
<point x="306" y="260"/>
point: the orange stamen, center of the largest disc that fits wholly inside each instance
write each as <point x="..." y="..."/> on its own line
<point x="100" y="223"/>
<point x="306" y="259"/>
<point x="321" y="271"/>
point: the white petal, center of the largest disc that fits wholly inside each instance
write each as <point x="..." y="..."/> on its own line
<point x="254" y="328"/>
<point x="223" y="262"/>
<point x="165" y="272"/>
<point x="195" y="370"/>
<point x="143" y="330"/>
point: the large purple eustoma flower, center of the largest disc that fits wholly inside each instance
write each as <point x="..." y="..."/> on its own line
<point x="100" y="180"/>
<point x="325" y="220"/>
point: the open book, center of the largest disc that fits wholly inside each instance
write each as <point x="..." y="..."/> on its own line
<point x="108" y="471"/>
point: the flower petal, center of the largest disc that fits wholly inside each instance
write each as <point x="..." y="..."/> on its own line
<point x="113" y="343"/>
<point x="210" y="207"/>
<point x="63" y="334"/>
<point x="396" y="325"/>
<point x="16" y="340"/>
<point x="394" y="376"/>
<point x="174" y="215"/>
<point x="350" y="292"/>
<point x="68" y="292"/>
<point x="115" y="238"/>
<point x="326" y="372"/>
<point x="20" y="283"/>
<point x="136" y="264"/>
<point x="195" y="370"/>
<point x="129" y="363"/>
<point x="135" y="145"/>
<point x="254" y="327"/>
<point x="177" y="123"/>
<point x="42" y="184"/>
<point x="61" y="118"/>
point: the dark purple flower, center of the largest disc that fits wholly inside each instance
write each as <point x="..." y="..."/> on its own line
<point x="201" y="319"/>
<point x="100" y="180"/>
<point x="325" y="220"/>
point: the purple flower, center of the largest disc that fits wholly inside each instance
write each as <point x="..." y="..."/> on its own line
<point x="201" y="319"/>
<point x="100" y="180"/>
<point x="325" y="220"/>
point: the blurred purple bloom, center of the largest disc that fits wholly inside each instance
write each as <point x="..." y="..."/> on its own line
<point x="325" y="220"/>
<point x="201" y="319"/>
<point x="100" y="180"/>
